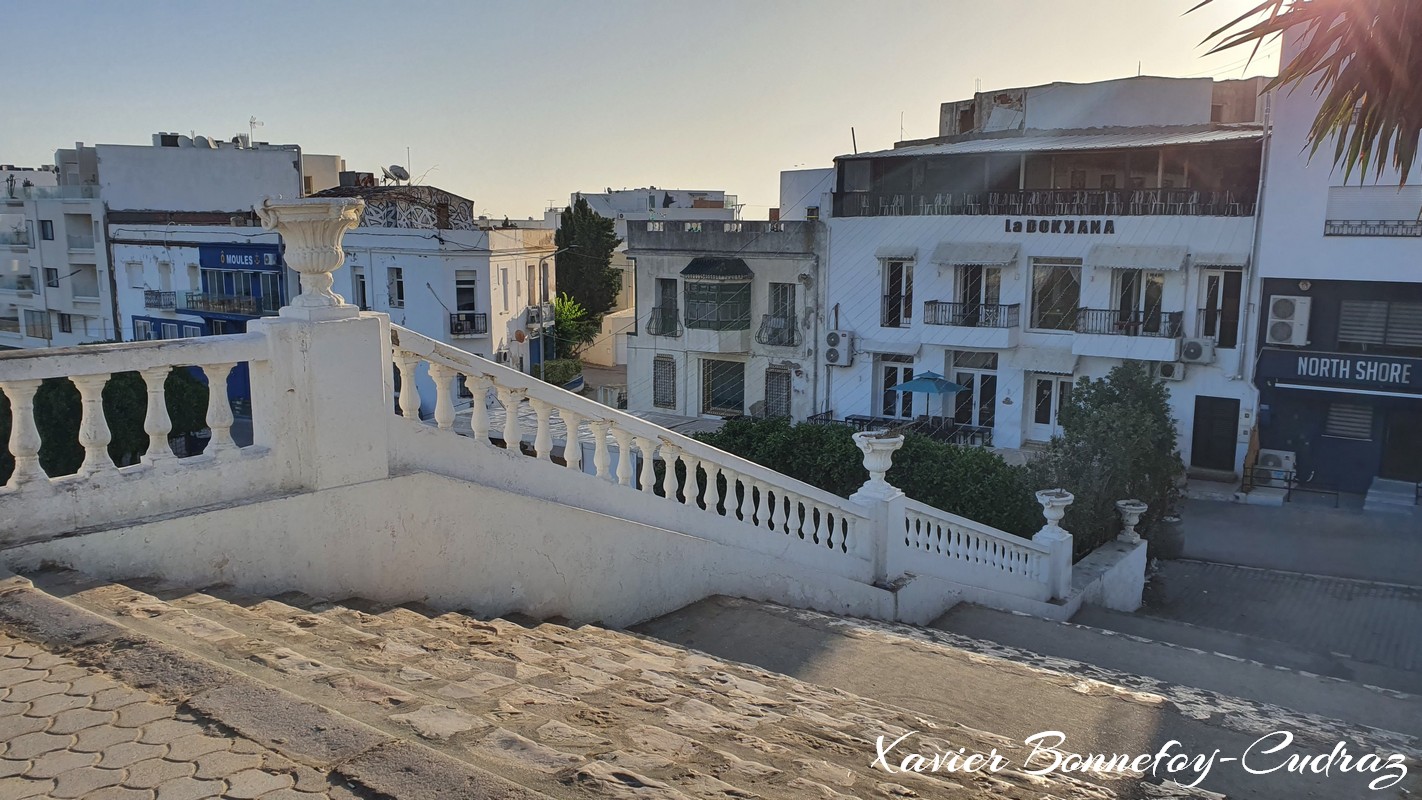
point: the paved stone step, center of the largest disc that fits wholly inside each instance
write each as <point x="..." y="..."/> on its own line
<point x="1226" y="674"/>
<point x="1019" y="693"/>
<point x="687" y="725"/>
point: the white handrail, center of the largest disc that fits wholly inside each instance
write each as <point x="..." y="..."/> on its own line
<point x="986" y="531"/>
<point x="63" y="362"/>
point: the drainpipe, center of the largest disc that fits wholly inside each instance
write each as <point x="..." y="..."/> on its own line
<point x="1252" y="288"/>
<point x="113" y="279"/>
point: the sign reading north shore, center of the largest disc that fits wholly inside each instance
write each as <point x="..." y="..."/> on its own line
<point x="1098" y="226"/>
<point x="233" y="256"/>
<point x="1381" y="372"/>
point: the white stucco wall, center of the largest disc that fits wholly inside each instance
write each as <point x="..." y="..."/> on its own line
<point x="801" y="188"/>
<point x="143" y="177"/>
<point x="1145" y="100"/>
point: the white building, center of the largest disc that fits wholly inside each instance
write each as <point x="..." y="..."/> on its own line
<point x="730" y="309"/>
<point x="1340" y="329"/>
<point x="1051" y="234"/>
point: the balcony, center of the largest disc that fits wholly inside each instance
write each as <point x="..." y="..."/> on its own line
<point x="236" y="305"/>
<point x="665" y="321"/>
<point x="1140" y="335"/>
<point x="1050" y="203"/>
<point x="942" y="429"/>
<point x="21" y="284"/>
<point x="982" y="325"/>
<point x="468" y="323"/>
<point x="17" y="238"/>
<point x="163" y="301"/>
<point x="85" y="192"/>
<point x="540" y="315"/>
<point x="778" y="331"/>
<point x="1372" y="227"/>
<point x="80" y="241"/>
<point x="895" y="311"/>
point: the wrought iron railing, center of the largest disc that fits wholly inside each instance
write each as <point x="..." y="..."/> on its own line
<point x="1161" y="324"/>
<point x="1049" y="203"/>
<point x="942" y="429"/>
<point x="468" y="323"/>
<point x="971" y="315"/>
<point x="153" y="298"/>
<point x="664" y="321"/>
<point x="778" y="331"/>
<point x="241" y="305"/>
<point x="1372" y="227"/>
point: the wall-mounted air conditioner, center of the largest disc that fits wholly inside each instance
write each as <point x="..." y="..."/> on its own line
<point x="1274" y="468"/>
<point x="1170" y="371"/>
<point x="838" y="350"/>
<point x="1198" y="351"/>
<point x="1288" y="320"/>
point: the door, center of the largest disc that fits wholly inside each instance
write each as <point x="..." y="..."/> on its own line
<point x="898" y="294"/>
<point x="978" y="286"/>
<point x="1212" y="444"/>
<point x="1219" y="314"/>
<point x="1139" y="295"/>
<point x="892" y="372"/>
<point x="1402" y="445"/>
<point x="1049" y="394"/>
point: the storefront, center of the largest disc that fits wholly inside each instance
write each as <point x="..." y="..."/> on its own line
<point x="1348" y="418"/>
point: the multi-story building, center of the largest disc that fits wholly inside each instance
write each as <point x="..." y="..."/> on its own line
<point x="1340" y="321"/>
<point x="1051" y="233"/>
<point x="729" y="310"/>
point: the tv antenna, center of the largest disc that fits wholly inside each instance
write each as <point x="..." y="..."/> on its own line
<point x="252" y="125"/>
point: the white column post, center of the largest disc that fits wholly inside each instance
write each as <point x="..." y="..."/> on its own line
<point x="1131" y="511"/>
<point x="1054" y="505"/>
<point x="94" y="433"/>
<point x="156" y="422"/>
<point x="881" y="501"/>
<point x="24" y="435"/>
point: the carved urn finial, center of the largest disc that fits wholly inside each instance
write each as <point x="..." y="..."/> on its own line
<point x="1131" y="511"/>
<point x="878" y="448"/>
<point x="312" y="229"/>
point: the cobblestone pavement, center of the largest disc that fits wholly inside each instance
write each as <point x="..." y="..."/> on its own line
<point x="1372" y="622"/>
<point x="68" y="732"/>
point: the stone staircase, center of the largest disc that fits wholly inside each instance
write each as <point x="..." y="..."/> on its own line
<point x="564" y="712"/>
<point x="1391" y="496"/>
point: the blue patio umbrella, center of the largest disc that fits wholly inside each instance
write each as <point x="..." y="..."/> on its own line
<point x="930" y="383"/>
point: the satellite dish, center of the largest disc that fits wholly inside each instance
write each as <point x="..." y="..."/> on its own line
<point x="389" y="176"/>
<point x="400" y="173"/>
<point x="520" y="337"/>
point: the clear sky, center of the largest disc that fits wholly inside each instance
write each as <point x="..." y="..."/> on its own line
<point x="519" y="102"/>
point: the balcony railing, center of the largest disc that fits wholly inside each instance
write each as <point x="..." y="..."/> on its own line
<point x="971" y="315"/>
<point x="9" y="324"/>
<point x="942" y="429"/>
<point x="468" y="323"/>
<point x="50" y="192"/>
<point x="665" y="321"/>
<point x="241" y="305"/>
<point x="152" y="298"/>
<point x="540" y="314"/>
<point x="18" y="283"/>
<point x="1372" y="227"/>
<point x="1050" y="203"/>
<point x="1160" y="324"/>
<point x="778" y="331"/>
<point x="14" y="237"/>
<point x="80" y="242"/>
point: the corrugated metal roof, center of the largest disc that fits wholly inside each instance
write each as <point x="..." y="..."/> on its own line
<point x="1105" y="139"/>
<point x="1221" y="259"/>
<point x="903" y="252"/>
<point x="985" y="254"/>
<point x="718" y="267"/>
<point x="1126" y="256"/>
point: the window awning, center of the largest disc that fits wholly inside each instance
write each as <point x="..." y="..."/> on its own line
<point x="897" y="252"/>
<point x="980" y="254"/>
<point x="717" y="268"/>
<point x="1227" y="260"/>
<point x="1049" y="361"/>
<point x="1127" y="256"/>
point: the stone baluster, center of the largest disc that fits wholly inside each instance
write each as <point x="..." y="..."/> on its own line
<point x="219" y="409"/>
<point x="647" y="477"/>
<point x="602" y="460"/>
<point x="543" y="438"/>
<point x="94" y="434"/>
<point x="406" y="362"/>
<point x="573" y="443"/>
<point x="689" y="489"/>
<point x="156" y="422"/>
<point x="762" y="504"/>
<point x="1058" y="567"/>
<point x="24" y="435"/>
<point x="509" y="399"/>
<point x="625" y="456"/>
<point x="478" y="405"/>
<point x="741" y="513"/>
<point x="443" y="378"/>
<point x="708" y="489"/>
<point x="670" y="453"/>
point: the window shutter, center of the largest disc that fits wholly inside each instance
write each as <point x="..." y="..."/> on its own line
<point x="1349" y="421"/>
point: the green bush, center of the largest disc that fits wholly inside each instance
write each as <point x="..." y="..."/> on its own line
<point x="559" y="371"/>
<point x="1117" y="442"/>
<point x="968" y="481"/>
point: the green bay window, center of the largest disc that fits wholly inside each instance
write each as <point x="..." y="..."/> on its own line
<point x="718" y="293"/>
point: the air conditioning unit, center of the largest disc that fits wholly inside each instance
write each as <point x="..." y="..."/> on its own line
<point x="1274" y="468"/>
<point x="1198" y="351"/>
<point x="1288" y="320"/>
<point x="1170" y="371"/>
<point x="838" y="348"/>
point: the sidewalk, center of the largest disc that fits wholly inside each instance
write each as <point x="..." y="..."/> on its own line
<point x="1308" y="538"/>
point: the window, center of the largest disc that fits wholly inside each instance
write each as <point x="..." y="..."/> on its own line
<point x="977" y="374"/>
<point x="143" y="330"/>
<point x="66" y="323"/>
<point x="777" y="393"/>
<point x="812" y="213"/>
<point x="169" y="330"/>
<point x="395" y="285"/>
<point x="84" y="282"/>
<point x="165" y="276"/>
<point x="1139" y="295"/>
<point x="718" y="306"/>
<point x="466" y="294"/>
<point x="47" y="229"/>
<point x="1219" y="308"/>
<point x="1349" y="421"/>
<point x="892" y="371"/>
<point x="37" y="324"/>
<point x="442" y="216"/>
<point x="504" y="284"/>
<point x="1378" y="326"/>
<point x="723" y="387"/>
<point x="1056" y="293"/>
<point x="134" y="271"/>
<point x="664" y="382"/>
<point x="898" y="294"/>
<point x="51" y="277"/>
<point x="358" y="288"/>
<point x="779" y="327"/>
<point x="856" y="176"/>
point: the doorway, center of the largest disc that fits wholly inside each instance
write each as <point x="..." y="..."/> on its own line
<point x="1049" y="394"/>
<point x="1212" y="444"/>
<point x="1402" y="445"/>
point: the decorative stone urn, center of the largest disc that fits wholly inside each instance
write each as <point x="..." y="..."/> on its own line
<point x="312" y="228"/>
<point x="1131" y="511"/>
<point x="878" y="447"/>
<point x="1054" y="505"/>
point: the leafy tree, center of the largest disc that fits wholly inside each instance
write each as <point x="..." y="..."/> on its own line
<point x="587" y="241"/>
<point x="559" y="371"/>
<point x="1117" y="443"/>
<point x="968" y="481"/>
<point x="58" y="412"/>
<point x="573" y="326"/>
<point x="1363" y="58"/>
